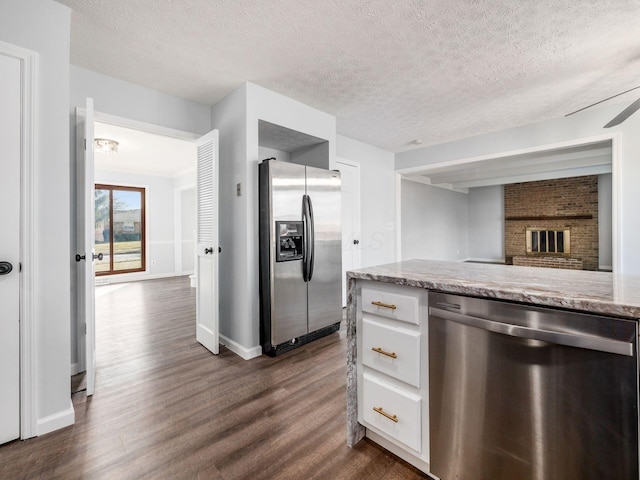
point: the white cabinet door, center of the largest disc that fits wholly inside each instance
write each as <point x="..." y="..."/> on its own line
<point x="207" y="242"/>
<point x="10" y="121"/>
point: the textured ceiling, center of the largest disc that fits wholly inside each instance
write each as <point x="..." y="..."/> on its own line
<point x="391" y="71"/>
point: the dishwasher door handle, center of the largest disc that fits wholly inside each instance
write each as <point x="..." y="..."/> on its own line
<point x="590" y="342"/>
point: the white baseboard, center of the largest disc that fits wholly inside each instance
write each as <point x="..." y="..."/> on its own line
<point x="74" y="369"/>
<point x="246" y="353"/>
<point x="56" y="421"/>
<point x="605" y="268"/>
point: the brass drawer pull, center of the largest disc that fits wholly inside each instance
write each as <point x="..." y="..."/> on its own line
<point x="393" y="418"/>
<point x="379" y="350"/>
<point x="385" y="305"/>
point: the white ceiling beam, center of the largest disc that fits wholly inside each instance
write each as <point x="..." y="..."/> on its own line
<point x="574" y="172"/>
<point x="507" y="170"/>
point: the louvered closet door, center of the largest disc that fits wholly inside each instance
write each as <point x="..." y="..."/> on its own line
<point x="207" y="242"/>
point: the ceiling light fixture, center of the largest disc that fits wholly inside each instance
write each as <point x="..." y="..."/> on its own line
<point x="105" y="145"/>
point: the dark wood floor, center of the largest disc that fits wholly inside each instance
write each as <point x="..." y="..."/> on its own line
<point x="165" y="408"/>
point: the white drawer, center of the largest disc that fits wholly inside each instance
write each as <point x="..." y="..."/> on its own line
<point x="390" y="350"/>
<point x="390" y="304"/>
<point x="379" y="398"/>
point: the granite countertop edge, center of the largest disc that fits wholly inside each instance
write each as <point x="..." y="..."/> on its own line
<point x="600" y="293"/>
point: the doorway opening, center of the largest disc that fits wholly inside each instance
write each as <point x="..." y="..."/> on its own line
<point x="148" y="230"/>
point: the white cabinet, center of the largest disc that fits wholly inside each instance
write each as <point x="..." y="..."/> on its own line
<point x="392" y="350"/>
<point x="392" y="369"/>
<point x="392" y="410"/>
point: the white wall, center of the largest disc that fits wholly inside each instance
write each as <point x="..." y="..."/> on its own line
<point x="585" y="124"/>
<point x="264" y="153"/>
<point x="229" y="116"/>
<point x="127" y="100"/>
<point x="434" y="222"/>
<point x="188" y="227"/>
<point x="377" y="199"/>
<point x="486" y="223"/>
<point x="604" y="221"/>
<point x="160" y="220"/>
<point x="43" y="26"/>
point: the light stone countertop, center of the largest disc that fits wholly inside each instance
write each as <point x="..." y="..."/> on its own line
<point x="594" y="292"/>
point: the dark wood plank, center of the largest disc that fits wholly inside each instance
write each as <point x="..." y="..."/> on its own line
<point x="165" y="408"/>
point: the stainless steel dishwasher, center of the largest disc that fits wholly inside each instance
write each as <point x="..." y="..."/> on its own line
<point x="519" y="392"/>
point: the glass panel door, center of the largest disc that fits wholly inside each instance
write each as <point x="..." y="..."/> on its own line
<point x="127" y="230"/>
<point x="102" y="207"/>
<point x="119" y="235"/>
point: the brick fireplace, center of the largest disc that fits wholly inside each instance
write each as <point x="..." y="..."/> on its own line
<point x="562" y="218"/>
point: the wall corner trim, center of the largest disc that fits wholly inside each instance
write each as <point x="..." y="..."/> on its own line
<point x="235" y="347"/>
<point x="56" y="421"/>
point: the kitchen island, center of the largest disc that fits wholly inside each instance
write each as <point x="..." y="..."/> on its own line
<point x="392" y="303"/>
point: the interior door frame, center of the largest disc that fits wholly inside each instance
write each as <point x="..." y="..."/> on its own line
<point x="136" y="125"/>
<point x="358" y="211"/>
<point x="28" y="286"/>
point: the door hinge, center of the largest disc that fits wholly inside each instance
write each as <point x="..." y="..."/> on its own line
<point x="85" y="328"/>
<point x="85" y="144"/>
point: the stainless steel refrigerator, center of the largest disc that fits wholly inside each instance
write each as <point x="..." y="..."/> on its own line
<point x="300" y="254"/>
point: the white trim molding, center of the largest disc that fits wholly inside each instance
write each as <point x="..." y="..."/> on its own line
<point x="398" y="185"/>
<point x="243" y="352"/>
<point x="144" y="127"/>
<point x="56" y="421"/>
<point x="616" y="202"/>
<point x="28" y="290"/>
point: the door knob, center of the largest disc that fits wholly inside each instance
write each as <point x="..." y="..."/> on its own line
<point x="356" y="242"/>
<point x="5" y="268"/>
<point x="80" y="257"/>
<point x="208" y="250"/>
<point x="99" y="256"/>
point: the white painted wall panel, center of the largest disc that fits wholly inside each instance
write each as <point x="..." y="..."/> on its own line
<point x="604" y="220"/>
<point x="377" y="200"/>
<point x="188" y="227"/>
<point x="486" y="223"/>
<point x="434" y="222"/>
<point x="43" y="26"/>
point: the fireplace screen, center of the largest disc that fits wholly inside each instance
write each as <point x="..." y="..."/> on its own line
<point x="544" y="240"/>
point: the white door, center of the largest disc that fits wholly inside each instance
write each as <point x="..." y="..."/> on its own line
<point x="350" y="173"/>
<point x="207" y="242"/>
<point x="10" y="121"/>
<point x="85" y="242"/>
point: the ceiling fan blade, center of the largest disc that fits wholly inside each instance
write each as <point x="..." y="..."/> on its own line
<point x="623" y="115"/>
<point x="602" y="101"/>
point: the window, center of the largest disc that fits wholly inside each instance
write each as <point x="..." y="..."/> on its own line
<point x="119" y="229"/>
<point x="556" y="241"/>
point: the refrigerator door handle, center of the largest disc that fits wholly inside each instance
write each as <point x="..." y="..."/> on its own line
<point x="312" y="240"/>
<point x="307" y="235"/>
